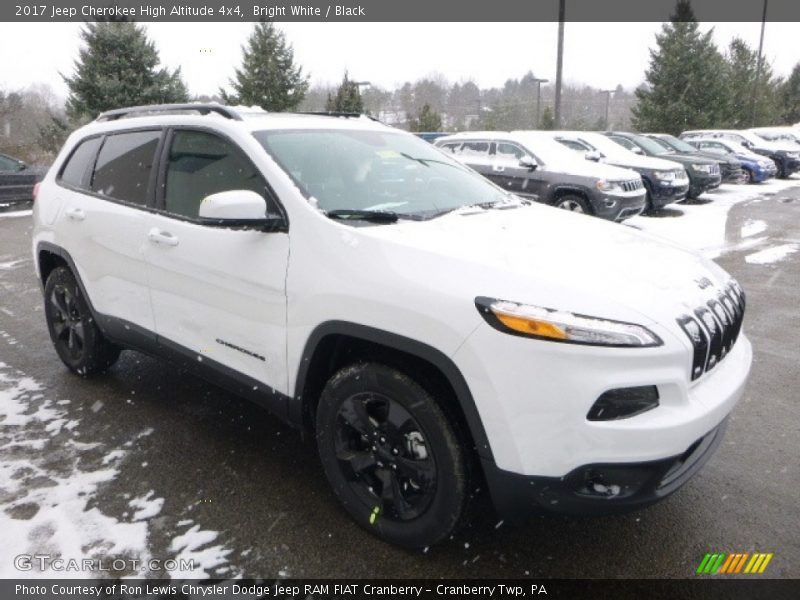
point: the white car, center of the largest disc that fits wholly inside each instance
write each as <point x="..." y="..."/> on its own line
<point x="431" y="330"/>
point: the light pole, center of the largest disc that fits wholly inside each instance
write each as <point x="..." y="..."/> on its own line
<point x="559" y="61"/>
<point x="539" y="83"/>
<point x="758" y="67"/>
<point x="608" y="100"/>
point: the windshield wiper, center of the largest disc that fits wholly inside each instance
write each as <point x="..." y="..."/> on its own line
<point x="374" y="216"/>
<point x="425" y="161"/>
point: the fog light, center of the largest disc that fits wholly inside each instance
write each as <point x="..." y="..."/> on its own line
<point x="610" y="203"/>
<point x="623" y="403"/>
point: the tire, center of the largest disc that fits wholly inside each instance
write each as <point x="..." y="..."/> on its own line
<point x="748" y="176"/>
<point x="573" y="203"/>
<point x="75" y="335"/>
<point x="391" y="456"/>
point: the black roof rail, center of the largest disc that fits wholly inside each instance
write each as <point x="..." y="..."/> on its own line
<point x="203" y="109"/>
<point x="334" y="113"/>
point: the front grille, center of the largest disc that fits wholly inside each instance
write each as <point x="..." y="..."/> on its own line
<point x="715" y="169"/>
<point x="632" y="185"/>
<point x="681" y="175"/>
<point x="714" y="328"/>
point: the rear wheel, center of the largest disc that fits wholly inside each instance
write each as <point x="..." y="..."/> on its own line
<point x="573" y="203"/>
<point x="391" y="456"/>
<point x="75" y="335"/>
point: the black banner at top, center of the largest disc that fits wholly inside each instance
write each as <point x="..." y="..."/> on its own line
<point x="393" y="10"/>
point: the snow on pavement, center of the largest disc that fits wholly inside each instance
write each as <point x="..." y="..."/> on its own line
<point x="48" y="496"/>
<point x="772" y="254"/>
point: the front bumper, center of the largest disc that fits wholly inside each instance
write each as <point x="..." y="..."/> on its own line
<point x="599" y="489"/>
<point x="661" y="195"/>
<point x="702" y="182"/>
<point x="618" y="207"/>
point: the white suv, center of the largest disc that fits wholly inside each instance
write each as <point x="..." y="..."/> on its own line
<point x="433" y="331"/>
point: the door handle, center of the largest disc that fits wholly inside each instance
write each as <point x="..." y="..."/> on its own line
<point x="76" y="214"/>
<point x="498" y="168"/>
<point x="158" y="236"/>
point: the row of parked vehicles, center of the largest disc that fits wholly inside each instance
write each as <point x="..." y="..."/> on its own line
<point x="624" y="173"/>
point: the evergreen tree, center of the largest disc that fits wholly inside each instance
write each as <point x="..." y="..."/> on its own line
<point x="685" y="83"/>
<point x="427" y="120"/>
<point x="268" y="77"/>
<point x="790" y="97"/>
<point x="118" y="66"/>
<point x="548" y="120"/>
<point x="347" y="98"/>
<point x="742" y="66"/>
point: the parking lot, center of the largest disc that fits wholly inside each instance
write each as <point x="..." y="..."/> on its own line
<point x="146" y="462"/>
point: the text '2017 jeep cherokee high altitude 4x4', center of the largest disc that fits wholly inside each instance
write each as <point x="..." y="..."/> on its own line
<point x="430" y="329"/>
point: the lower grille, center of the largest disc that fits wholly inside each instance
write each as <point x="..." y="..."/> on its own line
<point x="714" y="328"/>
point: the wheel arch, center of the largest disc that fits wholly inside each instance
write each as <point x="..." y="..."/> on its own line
<point x="334" y="344"/>
<point x="560" y="191"/>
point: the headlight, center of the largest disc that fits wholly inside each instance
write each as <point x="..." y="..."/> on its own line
<point x="664" y="175"/>
<point x="702" y="168"/>
<point x="562" y="326"/>
<point x="793" y="154"/>
<point x="609" y="186"/>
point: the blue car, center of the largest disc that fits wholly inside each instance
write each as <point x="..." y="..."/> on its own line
<point x="757" y="168"/>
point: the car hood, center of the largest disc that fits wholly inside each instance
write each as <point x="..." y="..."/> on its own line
<point x="689" y="159"/>
<point x="635" y="161"/>
<point x="730" y="160"/>
<point x="549" y="257"/>
<point x="778" y="146"/>
<point x="588" y="168"/>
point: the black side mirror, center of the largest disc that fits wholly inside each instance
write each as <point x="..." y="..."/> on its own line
<point x="21" y="166"/>
<point x="527" y="162"/>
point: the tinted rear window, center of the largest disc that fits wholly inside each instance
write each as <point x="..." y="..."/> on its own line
<point x="76" y="171"/>
<point x="124" y="166"/>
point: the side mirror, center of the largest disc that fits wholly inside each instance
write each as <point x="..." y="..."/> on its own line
<point x="637" y="150"/>
<point x="238" y="208"/>
<point x="593" y="155"/>
<point x="21" y="166"/>
<point x="527" y="162"/>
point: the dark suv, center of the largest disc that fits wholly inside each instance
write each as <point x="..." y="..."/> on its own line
<point x="533" y="165"/>
<point x="17" y="179"/>
<point x="704" y="174"/>
<point x="785" y="155"/>
<point x="730" y="167"/>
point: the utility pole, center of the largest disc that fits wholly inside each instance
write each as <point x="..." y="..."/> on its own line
<point x="539" y="83"/>
<point x="758" y="67"/>
<point x="608" y="101"/>
<point x="559" y="61"/>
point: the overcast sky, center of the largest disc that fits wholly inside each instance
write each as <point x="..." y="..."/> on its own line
<point x="387" y="54"/>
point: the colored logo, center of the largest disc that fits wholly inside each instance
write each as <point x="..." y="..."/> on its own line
<point x="735" y="563"/>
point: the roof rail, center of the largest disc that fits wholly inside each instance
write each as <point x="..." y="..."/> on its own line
<point x="202" y="108"/>
<point x="334" y="113"/>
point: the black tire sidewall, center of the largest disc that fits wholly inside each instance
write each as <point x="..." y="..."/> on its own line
<point x="587" y="209"/>
<point x="447" y="506"/>
<point x="97" y="354"/>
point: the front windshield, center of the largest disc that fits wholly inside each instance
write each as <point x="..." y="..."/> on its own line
<point x="651" y="146"/>
<point x="676" y="144"/>
<point x="360" y="170"/>
<point x="605" y="145"/>
<point x="751" y="137"/>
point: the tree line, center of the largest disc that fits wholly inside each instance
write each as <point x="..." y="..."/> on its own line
<point x="689" y="84"/>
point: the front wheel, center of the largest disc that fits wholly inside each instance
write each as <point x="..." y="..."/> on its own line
<point x="78" y="341"/>
<point x="573" y="203"/>
<point x="391" y="456"/>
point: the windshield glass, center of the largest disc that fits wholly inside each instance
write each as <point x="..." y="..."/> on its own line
<point x="605" y="145"/>
<point x="344" y="170"/>
<point x="651" y="146"/>
<point x="676" y="144"/>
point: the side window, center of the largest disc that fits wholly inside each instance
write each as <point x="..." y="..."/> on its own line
<point x="475" y="150"/>
<point x="79" y="165"/>
<point x="573" y="145"/>
<point x="7" y="164"/>
<point x="201" y="164"/>
<point x="510" y="153"/>
<point x="451" y="147"/>
<point x="124" y="165"/>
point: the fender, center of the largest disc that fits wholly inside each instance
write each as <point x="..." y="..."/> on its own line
<point x="577" y="189"/>
<point x="396" y="342"/>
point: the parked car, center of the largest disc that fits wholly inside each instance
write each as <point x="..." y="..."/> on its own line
<point x="431" y="136"/>
<point x="730" y="167"/>
<point x="779" y="134"/>
<point x="757" y="167"/>
<point x="534" y="166"/>
<point x="430" y="331"/>
<point x="704" y="174"/>
<point x="785" y="155"/>
<point x="17" y="179"/>
<point x="665" y="181"/>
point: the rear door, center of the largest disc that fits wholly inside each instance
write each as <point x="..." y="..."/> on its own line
<point x="105" y="189"/>
<point x="476" y="154"/>
<point x="219" y="294"/>
<point x="16" y="182"/>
